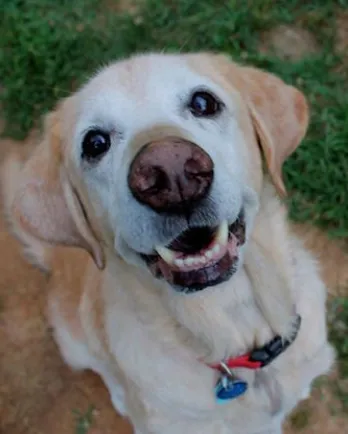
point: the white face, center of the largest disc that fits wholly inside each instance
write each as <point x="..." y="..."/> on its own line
<point x="150" y="98"/>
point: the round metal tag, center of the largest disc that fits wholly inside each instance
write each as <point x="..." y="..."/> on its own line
<point x="228" y="388"/>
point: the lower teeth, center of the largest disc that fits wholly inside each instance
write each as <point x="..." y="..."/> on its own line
<point x="221" y="239"/>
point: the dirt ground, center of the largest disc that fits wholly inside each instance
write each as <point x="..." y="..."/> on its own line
<point x="39" y="395"/>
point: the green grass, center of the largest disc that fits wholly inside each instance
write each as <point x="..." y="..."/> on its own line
<point x="48" y="48"/>
<point x="83" y="421"/>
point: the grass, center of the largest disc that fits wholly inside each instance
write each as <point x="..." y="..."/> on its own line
<point x="83" y="421"/>
<point x="48" y="48"/>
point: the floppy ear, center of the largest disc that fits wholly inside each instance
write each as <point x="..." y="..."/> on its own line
<point x="280" y="116"/>
<point x="45" y="205"/>
<point x="279" y="113"/>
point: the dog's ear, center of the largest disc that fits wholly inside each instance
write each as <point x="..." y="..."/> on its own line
<point x="46" y="205"/>
<point x="279" y="113"/>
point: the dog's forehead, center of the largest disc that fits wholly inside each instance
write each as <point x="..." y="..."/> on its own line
<point x="141" y="74"/>
<point x="140" y="81"/>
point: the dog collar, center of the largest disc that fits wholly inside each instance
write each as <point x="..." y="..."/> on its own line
<point x="229" y="386"/>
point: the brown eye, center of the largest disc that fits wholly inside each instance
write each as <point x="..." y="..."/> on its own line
<point x="204" y="104"/>
<point x="95" y="144"/>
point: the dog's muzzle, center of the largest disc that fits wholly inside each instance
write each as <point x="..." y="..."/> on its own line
<point x="173" y="177"/>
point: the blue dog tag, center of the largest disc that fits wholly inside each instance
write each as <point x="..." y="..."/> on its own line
<point x="228" y="388"/>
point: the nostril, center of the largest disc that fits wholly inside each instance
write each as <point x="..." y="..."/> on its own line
<point x="192" y="167"/>
<point x="199" y="167"/>
<point x="150" y="180"/>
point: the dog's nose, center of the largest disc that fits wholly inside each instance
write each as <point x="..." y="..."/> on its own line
<point x="170" y="174"/>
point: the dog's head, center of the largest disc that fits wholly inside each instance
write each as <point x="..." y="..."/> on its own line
<point x="157" y="160"/>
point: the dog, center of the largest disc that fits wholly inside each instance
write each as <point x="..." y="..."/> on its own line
<point x="183" y="286"/>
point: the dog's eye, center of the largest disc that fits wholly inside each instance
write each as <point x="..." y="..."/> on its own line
<point x="95" y="144"/>
<point x="204" y="104"/>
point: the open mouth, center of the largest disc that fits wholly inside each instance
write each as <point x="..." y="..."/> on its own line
<point x="199" y="257"/>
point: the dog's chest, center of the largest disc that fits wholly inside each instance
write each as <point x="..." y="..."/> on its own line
<point x="164" y="356"/>
<point x="165" y="360"/>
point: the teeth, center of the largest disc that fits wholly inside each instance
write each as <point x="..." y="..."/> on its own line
<point x="189" y="261"/>
<point x="216" y="248"/>
<point x="220" y="241"/>
<point x="222" y="234"/>
<point x="179" y="262"/>
<point x="209" y="254"/>
<point x="166" y="254"/>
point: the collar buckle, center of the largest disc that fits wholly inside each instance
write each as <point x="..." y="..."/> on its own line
<point x="259" y="357"/>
